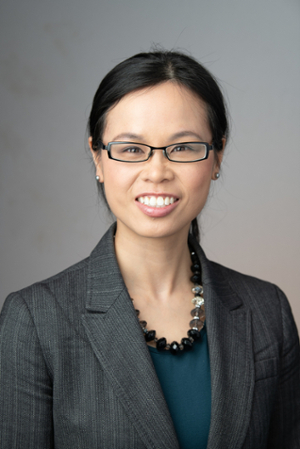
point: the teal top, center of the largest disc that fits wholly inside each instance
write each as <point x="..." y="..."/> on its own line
<point x="185" y="381"/>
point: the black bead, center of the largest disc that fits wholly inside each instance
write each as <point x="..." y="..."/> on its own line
<point x="194" y="334"/>
<point x="196" y="268"/>
<point x="174" y="348"/>
<point x="143" y="324"/>
<point x="137" y="312"/>
<point x="187" y="344"/>
<point x="161" y="344"/>
<point x="196" y="278"/>
<point x="150" y="335"/>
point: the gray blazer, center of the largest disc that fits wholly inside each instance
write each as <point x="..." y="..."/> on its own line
<point x="76" y="372"/>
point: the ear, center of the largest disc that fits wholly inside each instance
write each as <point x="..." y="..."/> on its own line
<point x="218" y="161"/>
<point x="97" y="160"/>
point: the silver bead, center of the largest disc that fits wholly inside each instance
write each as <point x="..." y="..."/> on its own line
<point x="197" y="289"/>
<point x="198" y="300"/>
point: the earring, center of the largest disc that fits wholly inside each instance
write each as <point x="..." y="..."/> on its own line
<point x="217" y="175"/>
<point x="97" y="178"/>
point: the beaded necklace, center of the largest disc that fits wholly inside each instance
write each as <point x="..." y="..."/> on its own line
<point x="196" y="324"/>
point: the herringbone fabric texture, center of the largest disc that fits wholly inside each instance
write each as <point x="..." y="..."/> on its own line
<point x="75" y="372"/>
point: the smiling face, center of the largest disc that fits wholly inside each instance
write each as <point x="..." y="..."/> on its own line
<point x="156" y="198"/>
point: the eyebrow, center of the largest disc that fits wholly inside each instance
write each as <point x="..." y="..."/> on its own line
<point x="185" y="134"/>
<point x="129" y="136"/>
<point x="138" y="137"/>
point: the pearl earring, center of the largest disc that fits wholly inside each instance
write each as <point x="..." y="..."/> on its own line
<point x="97" y="178"/>
<point x="217" y="175"/>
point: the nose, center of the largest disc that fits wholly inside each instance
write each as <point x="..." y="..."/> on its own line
<point x="158" y="168"/>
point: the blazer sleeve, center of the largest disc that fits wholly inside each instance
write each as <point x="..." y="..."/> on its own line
<point x="285" y="420"/>
<point x="25" y="383"/>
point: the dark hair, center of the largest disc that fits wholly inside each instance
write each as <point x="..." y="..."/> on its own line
<point x="152" y="68"/>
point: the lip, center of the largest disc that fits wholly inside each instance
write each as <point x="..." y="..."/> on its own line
<point x="157" y="212"/>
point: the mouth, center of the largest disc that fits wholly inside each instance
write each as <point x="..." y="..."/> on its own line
<point x="157" y="201"/>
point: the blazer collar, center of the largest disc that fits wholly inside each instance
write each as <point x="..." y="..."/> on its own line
<point x="105" y="282"/>
<point x="229" y="335"/>
<point x="213" y="278"/>
<point x="115" y="335"/>
<point x="104" y="279"/>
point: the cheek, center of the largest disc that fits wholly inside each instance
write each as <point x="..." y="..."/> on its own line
<point x="200" y="179"/>
<point x="118" y="175"/>
<point x="199" y="185"/>
<point x="117" y="182"/>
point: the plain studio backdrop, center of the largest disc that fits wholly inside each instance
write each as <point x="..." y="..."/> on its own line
<point x="53" y="56"/>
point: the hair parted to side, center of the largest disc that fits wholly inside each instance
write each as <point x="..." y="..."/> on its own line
<point x="147" y="70"/>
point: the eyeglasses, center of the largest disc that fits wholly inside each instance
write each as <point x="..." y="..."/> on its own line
<point x="183" y="152"/>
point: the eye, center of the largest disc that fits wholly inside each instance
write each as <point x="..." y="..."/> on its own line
<point x="129" y="151"/>
<point x="133" y="150"/>
<point x="181" y="148"/>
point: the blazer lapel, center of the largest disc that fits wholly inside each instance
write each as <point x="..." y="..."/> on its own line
<point x="114" y="332"/>
<point x="231" y="359"/>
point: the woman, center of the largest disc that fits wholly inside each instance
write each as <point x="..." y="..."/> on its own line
<point x="80" y="366"/>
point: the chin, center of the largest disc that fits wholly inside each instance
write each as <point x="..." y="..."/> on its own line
<point x="157" y="230"/>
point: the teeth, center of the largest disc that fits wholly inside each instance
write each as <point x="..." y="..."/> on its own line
<point x="152" y="201"/>
<point x="158" y="201"/>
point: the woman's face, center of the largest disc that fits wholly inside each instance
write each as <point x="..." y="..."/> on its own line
<point x="157" y="116"/>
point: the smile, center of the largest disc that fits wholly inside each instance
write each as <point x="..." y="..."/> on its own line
<point x="158" y="201"/>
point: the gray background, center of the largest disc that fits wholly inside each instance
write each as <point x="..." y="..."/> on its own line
<point x="53" y="56"/>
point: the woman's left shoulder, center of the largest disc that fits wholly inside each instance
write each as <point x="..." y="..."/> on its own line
<point x="249" y="285"/>
<point x="267" y="302"/>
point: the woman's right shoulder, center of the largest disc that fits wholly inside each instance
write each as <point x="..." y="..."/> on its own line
<point x="64" y="295"/>
<point x="46" y="312"/>
<point x="59" y="289"/>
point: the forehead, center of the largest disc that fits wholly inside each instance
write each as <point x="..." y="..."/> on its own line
<point x="162" y="110"/>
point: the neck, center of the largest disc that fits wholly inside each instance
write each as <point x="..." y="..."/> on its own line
<point x="153" y="266"/>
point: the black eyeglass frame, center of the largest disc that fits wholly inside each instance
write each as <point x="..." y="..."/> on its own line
<point x="164" y="149"/>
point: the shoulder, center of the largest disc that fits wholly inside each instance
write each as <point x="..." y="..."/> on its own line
<point x="243" y="282"/>
<point x="65" y="294"/>
<point x="60" y="298"/>
<point x="48" y="307"/>
<point x="253" y="291"/>
<point x="263" y="298"/>
<point x="64" y="284"/>
<point x="268" y="304"/>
